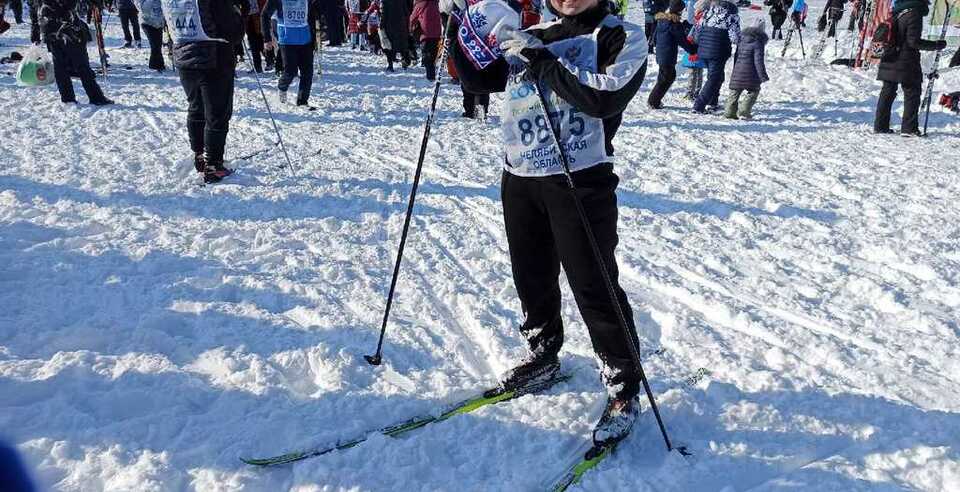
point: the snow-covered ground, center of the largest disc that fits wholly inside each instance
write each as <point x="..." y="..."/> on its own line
<point x="153" y="331"/>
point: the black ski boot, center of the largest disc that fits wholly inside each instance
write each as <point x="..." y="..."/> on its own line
<point x="532" y="374"/>
<point x="199" y="162"/>
<point x="616" y="421"/>
<point x="214" y="172"/>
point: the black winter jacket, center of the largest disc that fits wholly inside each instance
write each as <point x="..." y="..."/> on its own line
<point x="904" y="66"/>
<point x="60" y="20"/>
<point x="611" y="50"/>
<point x="221" y="20"/>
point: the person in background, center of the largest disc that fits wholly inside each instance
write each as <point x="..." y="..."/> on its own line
<point x="127" y="11"/>
<point x="902" y="67"/>
<point x="204" y="56"/>
<point x="395" y="32"/>
<point x="778" y="15"/>
<point x="749" y="71"/>
<point x="425" y="20"/>
<point x="151" y="19"/>
<point x="66" y="36"/>
<point x="297" y="37"/>
<point x="671" y="35"/>
<point x="715" y="36"/>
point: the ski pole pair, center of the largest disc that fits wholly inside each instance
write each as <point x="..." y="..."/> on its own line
<point x="377" y="357"/>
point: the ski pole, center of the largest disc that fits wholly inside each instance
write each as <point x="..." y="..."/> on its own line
<point x="803" y="52"/>
<point x="266" y="103"/>
<point x="604" y="271"/>
<point x="377" y="357"/>
<point x="934" y="72"/>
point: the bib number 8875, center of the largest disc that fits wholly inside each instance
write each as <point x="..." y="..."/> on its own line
<point x="538" y="130"/>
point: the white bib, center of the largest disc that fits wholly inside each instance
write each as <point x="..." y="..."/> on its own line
<point x="294" y="13"/>
<point x="529" y="140"/>
<point x="183" y="17"/>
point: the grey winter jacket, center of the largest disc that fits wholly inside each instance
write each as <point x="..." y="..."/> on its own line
<point x="749" y="69"/>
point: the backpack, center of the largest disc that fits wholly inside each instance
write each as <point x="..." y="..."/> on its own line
<point x="883" y="44"/>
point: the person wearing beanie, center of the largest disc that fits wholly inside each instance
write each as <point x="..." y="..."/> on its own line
<point x="901" y="67"/>
<point x="671" y="34"/>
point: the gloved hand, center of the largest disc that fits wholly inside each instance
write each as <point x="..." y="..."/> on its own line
<point x="933" y="75"/>
<point x="519" y="44"/>
<point x="448" y="6"/>
<point x="940" y="45"/>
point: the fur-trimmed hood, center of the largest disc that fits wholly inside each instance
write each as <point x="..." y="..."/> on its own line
<point x="667" y="16"/>
<point x="753" y="34"/>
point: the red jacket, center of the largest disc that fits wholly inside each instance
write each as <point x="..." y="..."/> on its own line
<point x="425" y="19"/>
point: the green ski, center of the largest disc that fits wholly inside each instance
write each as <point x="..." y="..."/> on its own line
<point x="596" y="454"/>
<point x="488" y="397"/>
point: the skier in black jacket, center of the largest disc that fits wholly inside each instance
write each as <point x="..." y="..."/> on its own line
<point x="902" y="67"/>
<point x="589" y="64"/>
<point x="66" y="36"/>
<point x="204" y="34"/>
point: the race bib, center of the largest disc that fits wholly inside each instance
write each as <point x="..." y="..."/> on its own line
<point x="183" y="17"/>
<point x="294" y="13"/>
<point x="530" y="142"/>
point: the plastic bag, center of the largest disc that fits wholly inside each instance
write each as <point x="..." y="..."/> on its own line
<point x="35" y="69"/>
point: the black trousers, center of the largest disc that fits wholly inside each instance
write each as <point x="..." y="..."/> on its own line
<point x="155" y="37"/>
<point x="470" y="101"/>
<point x="909" y="123"/>
<point x="210" y="107"/>
<point x="72" y="58"/>
<point x="665" y="78"/>
<point x="34" y="22"/>
<point x="544" y="232"/>
<point x="255" y="41"/>
<point x="128" y="18"/>
<point x="430" y="47"/>
<point x="297" y="59"/>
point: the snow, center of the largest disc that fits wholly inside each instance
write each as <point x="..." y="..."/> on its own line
<point x="153" y="331"/>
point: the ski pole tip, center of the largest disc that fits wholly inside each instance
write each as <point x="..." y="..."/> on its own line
<point x="373" y="360"/>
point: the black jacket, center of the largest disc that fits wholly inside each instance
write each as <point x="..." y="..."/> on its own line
<point x="611" y="42"/>
<point x="60" y="20"/>
<point x="904" y="65"/>
<point x="221" y="20"/>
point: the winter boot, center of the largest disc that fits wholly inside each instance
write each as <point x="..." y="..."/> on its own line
<point x="733" y="103"/>
<point x="282" y="96"/>
<point x="616" y="421"/>
<point x="746" y="109"/>
<point x="214" y="172"/>
<point x="532" y="372"/>
<point x="199" y="162"/>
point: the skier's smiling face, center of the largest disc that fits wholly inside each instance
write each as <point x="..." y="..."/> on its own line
<point x="569" y="8"/>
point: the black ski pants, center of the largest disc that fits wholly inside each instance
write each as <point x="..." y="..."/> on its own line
<point x="430" y="47"/>
<point x="544" y="231"/>
<point x="665" y="78"/>
<point x="128" y="18"/>
<point x="155" y="38"/>
<point x="210" y="105"/>
<point x="72" y="58"/>
<point x="470" y="101"/>
<point x="297" y="59"/>
<point x="256" y="47"/>
<point x="17" y="7"/>
<point x="909" y="123"/>
<point x="34" y="21"/>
